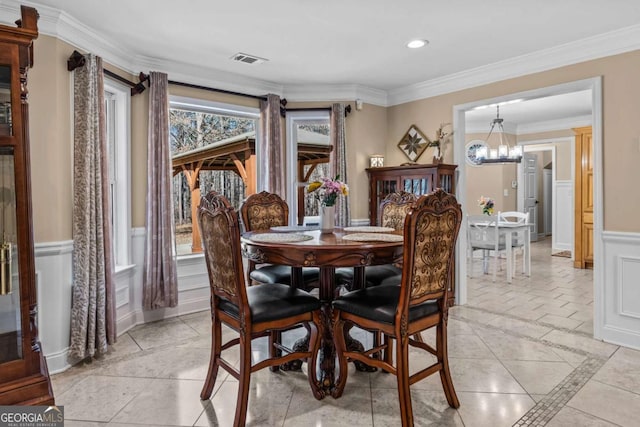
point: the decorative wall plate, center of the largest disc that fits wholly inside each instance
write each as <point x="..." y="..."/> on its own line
<point x="470" y="151"/>
<point x="413" y="143"/>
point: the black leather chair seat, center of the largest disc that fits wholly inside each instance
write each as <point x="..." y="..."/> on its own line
<point x="282" y="274"/>
<point x="380" y="303"/>
<point x="374" y="275"/>
<point x="273" y="302"/>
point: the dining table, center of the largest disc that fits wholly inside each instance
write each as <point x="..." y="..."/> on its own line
<point x="509" y="229"/>
<point x="355" y="247"/>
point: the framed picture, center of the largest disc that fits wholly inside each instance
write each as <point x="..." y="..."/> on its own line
<point x="413" y="143"/>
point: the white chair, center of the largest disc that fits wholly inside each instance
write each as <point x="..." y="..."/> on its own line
<point x="517" y="241"/>
<point x="483" y="234"/>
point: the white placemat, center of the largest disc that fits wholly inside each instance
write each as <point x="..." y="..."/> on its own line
<point x="373" y="237"/>
<point x="290" y="228"/>
<point x="280" y="238"/>
<point x="369" y="229"/>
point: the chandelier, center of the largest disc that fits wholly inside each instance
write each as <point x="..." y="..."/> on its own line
<point x="504" y="153"/>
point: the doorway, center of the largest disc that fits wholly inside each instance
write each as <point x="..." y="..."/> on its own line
<point x="594" y="85"/>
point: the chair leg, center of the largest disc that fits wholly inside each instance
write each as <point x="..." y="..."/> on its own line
<point x="341" y="347"/>
<point x="443" y="358"/>
<point x="243" y="382"/>
<point x="216" y="344"/>
<point x="404" y="392"/>
<point x="387" y="353"/>
<point x="274" y="337"/>
<point x="315" y="340"/>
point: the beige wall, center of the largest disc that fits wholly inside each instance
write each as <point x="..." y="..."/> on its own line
<point x="50" y="138"/>
<point x="563" y="150"/>
<point x="621" y="127"/>
<point x="490" y="180"/>
<point x="372" y="130"/>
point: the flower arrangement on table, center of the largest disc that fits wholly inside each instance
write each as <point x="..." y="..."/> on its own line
<point x="327" y="190"/>
<point x="487" y="205"/>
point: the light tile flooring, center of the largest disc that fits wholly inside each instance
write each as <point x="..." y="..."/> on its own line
<point x="520" y="353"/>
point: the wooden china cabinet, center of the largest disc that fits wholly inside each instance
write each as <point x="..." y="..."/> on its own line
<point x="24" y="379"/>
<point x="416" y="179"/>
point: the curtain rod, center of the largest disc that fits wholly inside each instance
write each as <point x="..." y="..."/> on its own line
<point x="211" y="89"/>
<point x="347" y="109"/>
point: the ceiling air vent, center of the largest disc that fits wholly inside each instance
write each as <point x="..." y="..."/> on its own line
<point x="247" y="59"/>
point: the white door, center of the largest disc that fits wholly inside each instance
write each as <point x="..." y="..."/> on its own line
<point x="547" y="181"/>
<point x="530" y="178"/>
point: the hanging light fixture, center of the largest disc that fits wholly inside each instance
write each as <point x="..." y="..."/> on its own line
<point x="504" y="153"/>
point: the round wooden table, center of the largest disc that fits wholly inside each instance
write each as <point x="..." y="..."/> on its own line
<point x="326" y="251"/>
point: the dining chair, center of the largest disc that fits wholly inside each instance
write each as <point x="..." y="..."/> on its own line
<point x="483" y="234"/>
<point x="261" y="211"/>
<point x="420" y="302"/>
<point x="251" y="311"/>
<point x="393" y="210"/>
<point x="518" y="240"/>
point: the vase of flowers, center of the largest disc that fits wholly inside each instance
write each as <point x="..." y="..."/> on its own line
<point x="487" y="205"/>
<point x="327" y="191"/>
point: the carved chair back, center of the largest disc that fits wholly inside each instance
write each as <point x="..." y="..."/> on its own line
<point x="221" y="243"/>
<point x="430" y="233"/>
<point x="264" y="210"/>
<point x="394" y="209"/>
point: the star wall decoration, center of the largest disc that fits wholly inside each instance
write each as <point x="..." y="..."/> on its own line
<point x="413" y="143"/>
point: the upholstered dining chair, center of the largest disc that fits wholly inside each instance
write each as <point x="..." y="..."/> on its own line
<point x="393" y="210"/>
<point x="261" y="211"/>
<point x="420" y="302"/>
<point x="251" y="311"/>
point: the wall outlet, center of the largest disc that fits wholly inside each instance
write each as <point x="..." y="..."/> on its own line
<point x="506" y="192"/>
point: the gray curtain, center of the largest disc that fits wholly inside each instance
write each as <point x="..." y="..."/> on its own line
<point x="160" y="283"/>
<point x="93" y="305"/>
<point x="339" y="161"/>
<point x="272" y="147"/>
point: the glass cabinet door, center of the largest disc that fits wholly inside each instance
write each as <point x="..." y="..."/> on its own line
<point x="5" y="100"/>
<point x="10" y="315"/>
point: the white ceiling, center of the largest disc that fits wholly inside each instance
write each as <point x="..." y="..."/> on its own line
<point x="343" y="50"/>
<point x="333" y="42"/>
<point x="561" y="111"/>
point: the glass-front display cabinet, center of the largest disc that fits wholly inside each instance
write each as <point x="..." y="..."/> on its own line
<point x="24" y="379"/>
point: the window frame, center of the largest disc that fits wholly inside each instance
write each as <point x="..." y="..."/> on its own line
<point x="295" y="118"/>
<point x="220" y="108"/>
<point x="121" y="181"/>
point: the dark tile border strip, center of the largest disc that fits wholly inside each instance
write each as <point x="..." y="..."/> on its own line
<point x="552" y="403"/>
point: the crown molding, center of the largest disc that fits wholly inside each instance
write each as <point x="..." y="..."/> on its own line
<point x="346" y="92"/>
<point x="599" y="46"/>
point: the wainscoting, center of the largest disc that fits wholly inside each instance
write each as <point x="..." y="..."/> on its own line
<point x="620" y="296"/>
<point x="55" y="280"/>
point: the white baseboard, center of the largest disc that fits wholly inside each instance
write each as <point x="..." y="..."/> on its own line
<point x="359" y="222"/>
<point x="57" y="362"/>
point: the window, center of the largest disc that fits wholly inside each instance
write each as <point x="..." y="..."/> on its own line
<point x="210" y="143"/>
<point x="117" y="115"/>
<point x="308" y="144"/>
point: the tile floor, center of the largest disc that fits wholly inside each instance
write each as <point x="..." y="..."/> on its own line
<point x="520" y="353"/>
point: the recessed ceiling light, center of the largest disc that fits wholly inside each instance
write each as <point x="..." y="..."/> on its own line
<point x="415" y="44"/>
